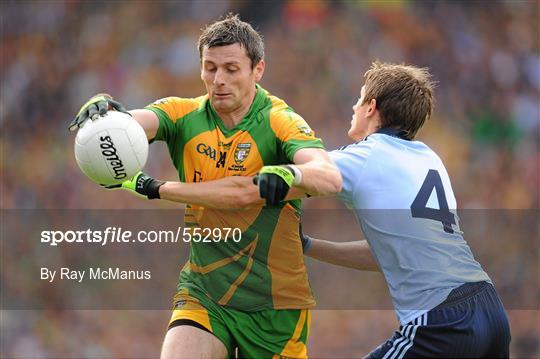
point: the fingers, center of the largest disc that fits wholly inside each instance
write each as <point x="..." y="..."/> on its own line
<point x="263" y="183"/>
<point x="272" y="188"/>
<point x="78" y="122"/>
<point x="281" y="190"/>
<point x="74" y="124"/>
<point x="97" y="106"/>
<point x="93" y="112"/>
<point x="102" y="106"/>
<point x="117" y="105"/>
<point x="271" y="191"/>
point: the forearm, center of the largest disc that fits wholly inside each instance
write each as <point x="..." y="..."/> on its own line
<point x="356" y="255"/>
<point x="319" y="178"/>
<point x="229" y="192"/>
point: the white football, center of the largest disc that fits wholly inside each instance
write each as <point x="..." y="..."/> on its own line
<point x="111" y="149"/>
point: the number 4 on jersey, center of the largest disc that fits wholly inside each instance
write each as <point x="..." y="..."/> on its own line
<point x="419" y="207"/>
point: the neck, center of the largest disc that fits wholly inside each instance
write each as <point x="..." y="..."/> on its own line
<point x="234" y="117"/>
<point x="231" y="119"/>
<point x="374" y="124"/>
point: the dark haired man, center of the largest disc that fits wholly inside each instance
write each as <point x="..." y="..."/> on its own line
<point x="401" y="194"/>
<point x="252" y="294"/>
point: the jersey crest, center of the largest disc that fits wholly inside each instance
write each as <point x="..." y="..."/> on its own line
<point x="241" y="152"/>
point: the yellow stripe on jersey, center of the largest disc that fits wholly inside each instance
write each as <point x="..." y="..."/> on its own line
<point x="250" y="248"/>
<point x="176" y="107"/>
<point x="230" y="292"/>
<point x="286" y="263"/>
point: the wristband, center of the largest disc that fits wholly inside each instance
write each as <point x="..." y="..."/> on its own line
<point x="152" y="191"/>
<point x="297" y="174"/>
<point x="282" y="171"/>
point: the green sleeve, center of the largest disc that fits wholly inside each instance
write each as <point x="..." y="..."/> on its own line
<point x="291" y="146"/>
<point x="167" y="128"/>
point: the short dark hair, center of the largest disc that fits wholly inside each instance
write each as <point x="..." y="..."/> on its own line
<point x="231" y="30"/>
<point x="404" y="95"/>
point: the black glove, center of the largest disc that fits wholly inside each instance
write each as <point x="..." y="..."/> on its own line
<point x="141" y="184"/>
<point x="274" y="183"/>
<point x="98" y="105"/>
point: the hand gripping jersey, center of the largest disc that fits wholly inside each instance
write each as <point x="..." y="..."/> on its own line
<point x="403" y="200"/>
<point x="265" y="269"/>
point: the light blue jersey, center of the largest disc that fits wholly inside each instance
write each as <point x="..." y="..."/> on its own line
<point x="402" y="197"/>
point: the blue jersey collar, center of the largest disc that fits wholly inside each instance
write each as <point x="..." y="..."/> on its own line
<point x="394" y="132"/>
<point x="385" y="131"/>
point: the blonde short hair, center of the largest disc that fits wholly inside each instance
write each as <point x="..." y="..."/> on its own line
<point x="403" y="94"/>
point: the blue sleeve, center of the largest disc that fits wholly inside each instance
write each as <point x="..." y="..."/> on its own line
<point x="350" y="161"/>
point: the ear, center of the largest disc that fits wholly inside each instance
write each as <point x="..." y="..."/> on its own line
<point x="259" y="71"/>
<point x="371" y="108"/>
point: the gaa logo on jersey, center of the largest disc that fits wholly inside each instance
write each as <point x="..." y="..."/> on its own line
<point x="241" y="152"/>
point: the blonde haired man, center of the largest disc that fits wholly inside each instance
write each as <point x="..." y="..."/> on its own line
<point x="401" y="194"/>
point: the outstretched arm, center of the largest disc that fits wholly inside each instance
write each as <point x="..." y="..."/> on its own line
<point x="356" y="254"/>
<point x="319" y="175"/>
<point x="228" y="192"/>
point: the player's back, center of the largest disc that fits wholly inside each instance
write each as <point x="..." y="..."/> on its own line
<point x="403" y="199"/>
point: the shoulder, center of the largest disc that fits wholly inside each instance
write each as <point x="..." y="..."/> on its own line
<point x="279" y="110"/>
<point x="177" y="107"/>
<point x="180" y="101"/>
<point x="365" y="147"/>
<point x="284" y="121"/>
<point x="353" y="158"/>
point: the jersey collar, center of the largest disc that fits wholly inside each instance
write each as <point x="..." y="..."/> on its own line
<point x="394" y="132"/>
<point x="385" y="131"/>
<point x="256" y="106"/>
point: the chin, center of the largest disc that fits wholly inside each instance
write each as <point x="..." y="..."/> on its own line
<point x="225" y="104"/>
<point x="221" y="106"/>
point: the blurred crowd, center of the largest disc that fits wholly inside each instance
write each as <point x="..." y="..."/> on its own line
<point x="486" y="127"/>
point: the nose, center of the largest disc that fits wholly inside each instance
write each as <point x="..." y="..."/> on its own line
<point x="219" y="77"/>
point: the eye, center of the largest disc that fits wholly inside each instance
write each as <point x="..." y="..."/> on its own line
<point x="232" y="69"/>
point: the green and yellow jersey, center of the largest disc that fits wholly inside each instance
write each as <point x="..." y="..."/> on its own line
<point x="265" y="269"/>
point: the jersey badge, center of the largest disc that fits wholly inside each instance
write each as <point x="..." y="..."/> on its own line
<point x="241" y="152"/>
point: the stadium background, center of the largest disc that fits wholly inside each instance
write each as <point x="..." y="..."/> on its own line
<point x="485" y="55"/>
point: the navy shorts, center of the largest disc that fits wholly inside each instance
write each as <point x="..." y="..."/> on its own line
<point x="470" y="323"/>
